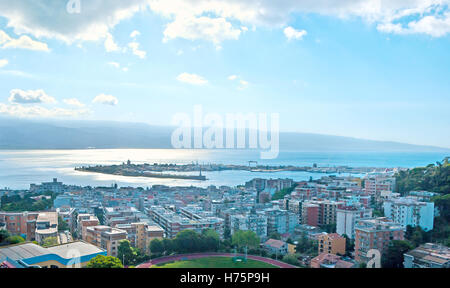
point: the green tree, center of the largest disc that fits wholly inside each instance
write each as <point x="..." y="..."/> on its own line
<point x="62" y="225"/>
<point x="306" y="246"/>
<point x="105" y="262"/>
<point x="349" y="245"/>
<point x="291" y="259"/>
<point x="156" y="247"/>
<point x="12" y="240"/>
<point x="126" y="253"/>
<point x="4" y="234"/>
<point x="49" y="242"/>
<point x="245" y="239"/>
<point x="393" y="257"/>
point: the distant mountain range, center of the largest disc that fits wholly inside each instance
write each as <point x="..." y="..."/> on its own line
<point x="28" y="134"/>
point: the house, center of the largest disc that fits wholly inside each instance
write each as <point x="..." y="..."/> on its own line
<point x="326" y="260"/>
<point x="277" y="247"/>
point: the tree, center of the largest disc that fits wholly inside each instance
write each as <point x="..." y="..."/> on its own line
<point x="306" y="245"/>
<point x="291" y="259"/>
<point x="62" y="225"/>
<point x="275" y="236"/>
<point x="393" y="257"/>
<point x="4" y="234"/>
<point x="49" y="242"/>
<point x="12" y="240"/>
<point x="187" y="241"/>
<point x="168" y="245"/>
<point x="126" y="253"/>
<point x="105" y="262"/>
<point x="245" y="239"/>
<point x="156" y="247"/>
<point x="349" y="245"/>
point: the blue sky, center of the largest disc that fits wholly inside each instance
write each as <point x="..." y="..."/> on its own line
<point x="352" y="70"/>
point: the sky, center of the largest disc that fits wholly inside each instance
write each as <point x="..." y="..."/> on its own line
<point x="374" y="69"/>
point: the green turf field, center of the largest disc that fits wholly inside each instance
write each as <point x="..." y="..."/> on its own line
<point x="215" y="262"/>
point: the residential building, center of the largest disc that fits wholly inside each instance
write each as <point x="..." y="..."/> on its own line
<point x="346" y="218"/>
<point x="276" y="247"/>
<point x="428" y="256"/>
<point x="46" y="226"/>
<point x="407" y="211"/>
<point x="332" y="244"/>
<point x="375" y="233"/>
<point x="327" y="260"/>
<point x="249" y="222"/>
<point x="84" y="221"/>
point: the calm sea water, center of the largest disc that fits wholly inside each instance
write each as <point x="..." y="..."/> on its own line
<point x="18" y="169"/>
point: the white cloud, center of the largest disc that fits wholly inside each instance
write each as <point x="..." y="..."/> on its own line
<point x="106" y="100"/>
<point x="17" y="110"/>
<point x="232" y="77"/>
<point x="110" y="44"/>
<point x="23" y="42"/>
<point x="114" y="64"/>
<point x="3" y="62"/>
<point x="135" y="34"/>
<point x="293" y="34"/>
<point x="50" y="19"/>
<point x="215" y="30"/>
<point x="215" y="20"/>
<point x="73" y="102"/>
<point x="30" y="97"/>
<point x="192" y="79"/>
<point x="136" y="51"/>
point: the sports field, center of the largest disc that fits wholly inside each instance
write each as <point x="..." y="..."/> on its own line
<point x="214" y="262"/>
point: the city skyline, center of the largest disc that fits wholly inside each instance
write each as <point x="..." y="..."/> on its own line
<point x="350" y="69"/>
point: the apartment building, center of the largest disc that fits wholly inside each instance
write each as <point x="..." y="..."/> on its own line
<point x="173" y="223"/>
<point x="324" y="211"/>
<point x="105" y="237"/>
<point x="374" y="185"/>
<point x="22" y="223"/>
<point x="346" y="218"/>
<point x="249" y="222"/>
<point x="141" y="234"/>
<point x="407" y="211"/>
<point x="375" y="233"/>
<point x="84" y="221"/>
<point x="280" y="221"/>
<point x="331" y="244"/>
<point x="46" y="226"/>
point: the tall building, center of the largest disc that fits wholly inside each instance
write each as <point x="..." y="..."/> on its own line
<point x="249" y="222"/>
<point x="84" y="221"/>
<point x="346" y="218"/>
<point x="376" y="184"/>
<point x="375" y="233"/>
<point x="407" y="211"/>
<point x="280" y="221"/>
<point x="105" y="237"/>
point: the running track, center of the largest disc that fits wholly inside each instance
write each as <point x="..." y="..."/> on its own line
<point x="176" y="258"/>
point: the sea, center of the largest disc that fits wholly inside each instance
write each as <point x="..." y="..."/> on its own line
<point x="20" y="168"/>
